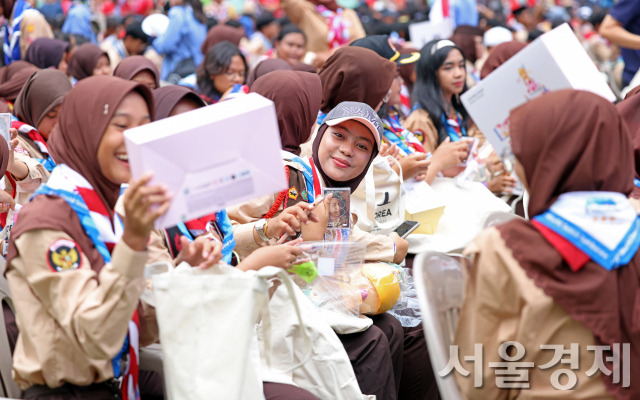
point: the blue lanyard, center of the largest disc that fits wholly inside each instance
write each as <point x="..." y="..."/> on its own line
<point x="321" y="117"/>
<point x="308" y="177"/>
<point x="78" y="205"/>
<point x="453" y="135"/>
<point x="392" y="136"/>
<point x="228" y="241"/>
<point x="636" y="182"/>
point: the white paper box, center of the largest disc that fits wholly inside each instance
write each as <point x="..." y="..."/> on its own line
<point x="422" y="33"/>
<point x="423" y="205"/>
<point x="554" y="61"/>
<point x="212" y="157"/>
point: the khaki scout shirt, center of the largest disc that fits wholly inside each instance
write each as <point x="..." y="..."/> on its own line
<point x="503" y="304"/>
<point x="73" y="322"/>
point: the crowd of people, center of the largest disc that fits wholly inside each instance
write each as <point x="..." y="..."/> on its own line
<point x="352" y="94"/>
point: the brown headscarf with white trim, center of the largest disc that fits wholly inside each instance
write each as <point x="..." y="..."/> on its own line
<point x="133" y="65"/>
<point x="355" y="74"/>
<point x="499" y="56"/>
<point x="84" y="60"/>
<point x="297" y="99"/>
<point x="167" y="98"/>
<point x="565" y="152"/>
<point x="42" y="92"/>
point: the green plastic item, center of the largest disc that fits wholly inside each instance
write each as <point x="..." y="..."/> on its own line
<point x="307" y="271"/>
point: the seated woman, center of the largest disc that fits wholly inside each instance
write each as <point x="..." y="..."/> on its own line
<point x="628" y="110"/>
<point x="89" y="60"/>
<point x="12" y="79"/>
<point x="36" y="108"/>
<point x="138" y="69"/>
<point x="536" y="283"/>
<point x="439" y="118"/>
<point x="49" y="53"/>
<point x="290" y="44"/>
<point x="223" y="71"/>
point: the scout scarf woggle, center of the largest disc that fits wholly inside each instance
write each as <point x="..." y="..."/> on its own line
<point x="94" y="217"/>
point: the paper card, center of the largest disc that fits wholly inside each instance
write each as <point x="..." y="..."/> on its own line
<point x="5" y="125"/>
<point x="554" y="61"/>
<point x="211" y="158"/>
<point x="326" y="266"/>
<point x="339" y="207"/>
<point x="422" y="33"/>
<point x="420" y="197"/>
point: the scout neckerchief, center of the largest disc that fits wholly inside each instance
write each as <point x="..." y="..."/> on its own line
<point x="321" y="117"/>
<point x="396" y="134"/>
<point x="300" y="185"/>
<point x="636" y="182"/>
<point x="454" y="127"/>
<point x="96" y="223"/>
<point x="405" y="100"/>
<point x="602" y="225"/>
<point x="33" y="134"/>
<point x="197" y="227"/>
<point x="338" y="34"/>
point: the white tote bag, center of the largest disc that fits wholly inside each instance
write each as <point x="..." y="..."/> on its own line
<point x="328" y="374"/>
<point x="207" y="320"/>
<point x="379" y="200"/>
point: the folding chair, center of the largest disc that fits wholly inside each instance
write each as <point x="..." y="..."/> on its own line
<point x="440" y="287"/>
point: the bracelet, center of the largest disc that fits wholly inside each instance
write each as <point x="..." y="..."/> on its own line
<point x="264" y="230"/>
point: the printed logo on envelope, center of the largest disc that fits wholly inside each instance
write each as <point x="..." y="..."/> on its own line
<point x="533" y="88"/>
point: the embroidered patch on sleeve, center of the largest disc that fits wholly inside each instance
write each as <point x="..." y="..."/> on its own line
<point x="64" y="255"/>
<point x="293" y="193"/>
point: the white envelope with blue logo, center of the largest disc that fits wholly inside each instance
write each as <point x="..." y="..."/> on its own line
<point x="212" y="157"/>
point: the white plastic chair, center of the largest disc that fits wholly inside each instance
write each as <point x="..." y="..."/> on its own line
<point x="8" y="387"/>
<point x="440" y="288"/>
<point x="498" y="217"/>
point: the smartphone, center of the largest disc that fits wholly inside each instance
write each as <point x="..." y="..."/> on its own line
<point x="406" y="228"/>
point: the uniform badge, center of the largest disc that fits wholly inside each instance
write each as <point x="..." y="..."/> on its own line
<point x="293" y="193"/>
<point x="64" y="255"/>
<point x="304" y="195"/>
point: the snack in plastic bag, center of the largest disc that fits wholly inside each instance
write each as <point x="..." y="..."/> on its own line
<point x="336" y="286"/>
<point x="379" y="289"/>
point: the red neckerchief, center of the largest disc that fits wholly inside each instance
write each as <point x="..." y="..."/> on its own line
<point x="33" y="134"/>
<point x="317" y="189"/>
<point x="570" y="253"/>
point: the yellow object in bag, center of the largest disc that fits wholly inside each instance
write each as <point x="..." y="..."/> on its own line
<point x="383" y="289"/>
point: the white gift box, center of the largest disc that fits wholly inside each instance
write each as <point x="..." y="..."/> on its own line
<point x="212" y="157"/>
<point x="554" y="61"/>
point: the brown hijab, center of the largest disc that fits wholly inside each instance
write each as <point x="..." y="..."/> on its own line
<point x="84" y="60"/>
<point x="355" y="74"/>
<point x="499" y="56"/>
<point x="266" y="66"/>
<point x="629" y="110"/>
<point x="560" y="153"/>
<point x="167" y="97"/>
<point x="221" y="33"/>
<point x="464" y="38"/>
<point x="42" y="92"/>
<point x="13" y="77"/>
<point x="46" y="52"/>
<point x="85" y="115"/>
<point x="133" y="65"/>
<point x="297" y="99"/>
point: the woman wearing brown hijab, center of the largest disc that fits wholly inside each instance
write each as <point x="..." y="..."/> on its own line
<point x="629" y="109"/>
<point x="138" y="69"/>
<point x="36" y="108"/>
<point x="89" y="60"/>
<point x="536" y="284"/>
<point x="499" y="56"/>
<point x="48" y="53"/>
<point x="12" y="79"/>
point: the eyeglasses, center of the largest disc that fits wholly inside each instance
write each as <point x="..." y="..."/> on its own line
<point x="233" y="74"/>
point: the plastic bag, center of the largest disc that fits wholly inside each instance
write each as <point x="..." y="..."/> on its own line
<point x="336" y="286"/>
<point x="380" y="288"/>
<point x="407" y="309"/>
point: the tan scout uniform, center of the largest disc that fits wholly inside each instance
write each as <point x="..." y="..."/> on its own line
<point x="244" y="216"/>
<point x="503" y="304"/>
<point x="419" y="122"/>
<point x="73" y="322"/>
<point x="314" y="25"/>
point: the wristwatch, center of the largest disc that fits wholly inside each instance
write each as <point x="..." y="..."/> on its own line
<point x="261" y="230"/>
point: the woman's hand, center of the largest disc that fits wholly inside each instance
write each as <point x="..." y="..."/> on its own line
<point x="386" y="150"/>
<point x="503" y="183"/>
<point x="202" y="252"/>
<point x="414" y="165"/>
<point x="450" y="154"/>
<point x="6" y="202"/>
<point x="402" y="247"/>
<point x="281" y="256"/>
<point x="143" y="204"/>
<point x="290" y="220"/>
<point x="18" y="169"/>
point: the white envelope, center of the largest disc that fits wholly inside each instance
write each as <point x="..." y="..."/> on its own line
<point x="554" y="61"/>
<point x="212" y="157"/>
